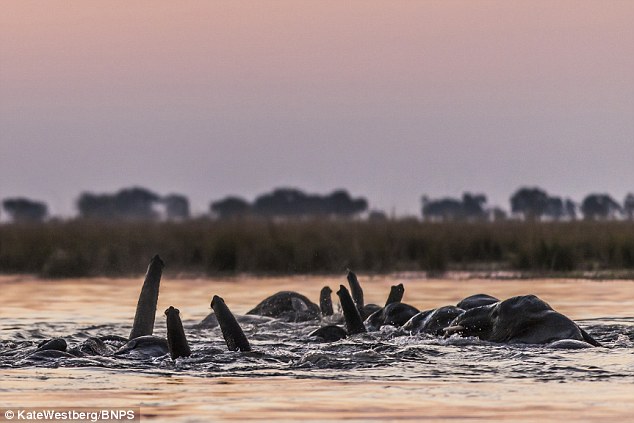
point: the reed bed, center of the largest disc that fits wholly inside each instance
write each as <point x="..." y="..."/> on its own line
<point x="80" y="248"/>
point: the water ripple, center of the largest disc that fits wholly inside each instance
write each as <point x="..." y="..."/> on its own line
<point x="285" y="349"/>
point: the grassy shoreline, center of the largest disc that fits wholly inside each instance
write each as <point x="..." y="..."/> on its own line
<point x="91" y="248"/>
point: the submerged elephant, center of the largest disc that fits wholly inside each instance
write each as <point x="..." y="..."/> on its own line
<point x="289" y="306"/>
<point x="433" y="321"/>
<point x="524" y="319"/>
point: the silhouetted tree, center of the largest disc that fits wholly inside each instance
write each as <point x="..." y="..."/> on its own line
<point x="628" y="206"/>
<point x="444" y="209"/>
<point x="531" y="203"/>
<point x="230" y="207"/>
<point x="136" y="203"/>
<point x="176" y="207"/>
<point x="130" y="204"/>
<point x="281" y="202"/>
<point x="599" y="206"/>
<point x="554" y="208"/>
<point x="471" y="207"/>
<point x="96" y="206"/>
<point x="339" y="203"/>
<point x="25" y="210"/>
<point x="291" y="202"/>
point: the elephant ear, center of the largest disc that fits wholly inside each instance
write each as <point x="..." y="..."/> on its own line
<point x="589" y="339"/>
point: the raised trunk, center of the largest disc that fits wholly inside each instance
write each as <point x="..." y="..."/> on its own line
<point x="231" y="330"/>
<point x="146" y="307"/>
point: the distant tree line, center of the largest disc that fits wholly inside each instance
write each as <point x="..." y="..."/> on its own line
<point x="469" y="207"/>
<point x="528" y="203"/>
<point x="25" y="210"/>
<point x="132" y="204"/>
<point x="290" y="202"/>
<point x="136" y="203"/>
<point x="536" y="204"/>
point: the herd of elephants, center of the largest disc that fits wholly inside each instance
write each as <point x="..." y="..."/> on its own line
<point x="523" y="319"/>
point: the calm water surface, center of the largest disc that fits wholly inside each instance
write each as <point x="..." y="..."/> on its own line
<point x="379" y="376"/>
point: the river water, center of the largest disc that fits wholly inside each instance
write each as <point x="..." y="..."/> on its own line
<point x="378" y="376"/>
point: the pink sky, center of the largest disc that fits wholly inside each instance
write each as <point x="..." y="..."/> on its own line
<point x="390" y="99"/>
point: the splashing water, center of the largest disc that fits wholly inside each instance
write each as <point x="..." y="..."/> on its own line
<point x="383" y="375"/>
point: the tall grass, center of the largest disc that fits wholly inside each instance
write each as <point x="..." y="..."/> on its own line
<point x="87" y="248"/>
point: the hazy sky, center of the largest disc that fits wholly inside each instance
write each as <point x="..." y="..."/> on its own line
<point x="388" y="99"/>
